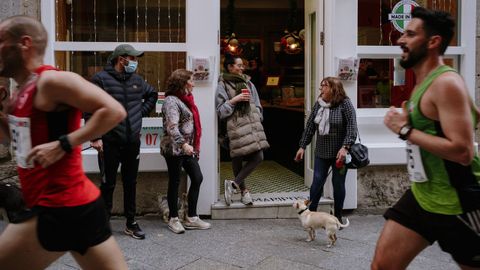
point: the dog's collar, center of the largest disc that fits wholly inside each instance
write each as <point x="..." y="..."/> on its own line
<point x="303" y="210"/>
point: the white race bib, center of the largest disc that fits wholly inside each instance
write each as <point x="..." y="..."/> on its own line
<point x="21" y="139"/>
<point x="416" y="172"/>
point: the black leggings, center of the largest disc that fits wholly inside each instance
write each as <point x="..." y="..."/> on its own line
<point x="190" y="164"/>
<point x="242" y="171"/>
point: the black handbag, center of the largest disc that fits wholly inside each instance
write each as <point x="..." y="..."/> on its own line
<point x="359" y="154"/>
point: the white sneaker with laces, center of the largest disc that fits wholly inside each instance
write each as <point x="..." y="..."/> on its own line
<point x="175" y="226"/>
<point x="228" y="192"/>
<point x="195" y="223"/>
<point x="246" y="198"/>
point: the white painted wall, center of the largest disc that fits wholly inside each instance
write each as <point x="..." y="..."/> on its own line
<point x="340" y="42"/>
<point x="203" y="26"/>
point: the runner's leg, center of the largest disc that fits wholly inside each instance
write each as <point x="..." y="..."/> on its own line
<point x="104" y="256"/>
<point x="20" y="248"/>
<point x="397" y="246"/>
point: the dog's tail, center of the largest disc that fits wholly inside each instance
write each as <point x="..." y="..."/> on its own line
<point x="344" y="225"/>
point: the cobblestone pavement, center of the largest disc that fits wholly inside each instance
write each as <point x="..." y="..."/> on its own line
<point x="256" y="244"/>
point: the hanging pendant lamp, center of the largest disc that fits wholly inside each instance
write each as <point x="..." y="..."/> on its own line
<point x="231" y="44"/>
<point x="292" y="40"/>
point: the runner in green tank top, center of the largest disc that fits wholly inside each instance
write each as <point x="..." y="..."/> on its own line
<point x="436" y="195"/>
<point x="437" y="124"/>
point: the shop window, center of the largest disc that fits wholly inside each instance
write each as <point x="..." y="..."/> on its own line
<point x="154" y="67"/>
<point x="120" y="21"/>
<point x="375" y="27"/>
<point x="383" y="82"/>
<point x="83" y="29"/>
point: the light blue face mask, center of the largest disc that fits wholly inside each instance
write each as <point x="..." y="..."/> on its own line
<point x="131" y="67"/>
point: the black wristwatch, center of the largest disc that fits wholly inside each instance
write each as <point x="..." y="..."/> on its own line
<point x="65" y="143"/>
<point x="405" y="132"/>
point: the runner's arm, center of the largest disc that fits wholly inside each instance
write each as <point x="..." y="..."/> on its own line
<point x="450" y="106"/>
<point x="57" y="88"/>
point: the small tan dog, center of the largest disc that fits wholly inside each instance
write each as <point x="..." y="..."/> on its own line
<point x="316" y="220"/>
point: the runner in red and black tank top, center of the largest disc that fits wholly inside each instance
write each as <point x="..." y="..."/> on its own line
<point x="64" y="182"/>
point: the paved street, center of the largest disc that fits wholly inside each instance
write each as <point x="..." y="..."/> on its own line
<point x="256" y="244"/>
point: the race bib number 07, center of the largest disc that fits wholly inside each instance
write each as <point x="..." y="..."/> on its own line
<point x="21" y="139"/>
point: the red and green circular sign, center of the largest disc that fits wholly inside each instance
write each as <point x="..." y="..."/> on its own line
<point x="400" y="15"/>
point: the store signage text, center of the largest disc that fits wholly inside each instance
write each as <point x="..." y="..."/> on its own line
<point x="400" y="15"/>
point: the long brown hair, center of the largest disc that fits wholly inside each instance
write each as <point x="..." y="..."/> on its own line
<point x="338" y="93"/>
<point x="177" y="81"/>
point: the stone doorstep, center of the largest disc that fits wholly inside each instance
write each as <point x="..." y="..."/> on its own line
<point x="265" y="205"/>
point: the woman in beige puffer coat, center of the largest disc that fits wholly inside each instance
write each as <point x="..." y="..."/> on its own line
<point x="238" y="106"/>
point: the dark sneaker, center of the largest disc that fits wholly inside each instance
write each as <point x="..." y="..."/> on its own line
<point x="134" y="231"/>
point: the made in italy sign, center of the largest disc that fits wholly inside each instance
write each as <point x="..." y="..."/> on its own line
<point x="401" y="14"/>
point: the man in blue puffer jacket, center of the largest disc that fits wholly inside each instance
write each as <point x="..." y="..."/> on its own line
<point x="122" y="143"/>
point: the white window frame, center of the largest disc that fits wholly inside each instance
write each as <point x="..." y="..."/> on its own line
<point x="385" y="147"/>
<point x="151" y="159"/>
<point x="48" y="19"/>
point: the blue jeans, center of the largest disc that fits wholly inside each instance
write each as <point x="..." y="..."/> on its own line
<point x="320" y="173"/>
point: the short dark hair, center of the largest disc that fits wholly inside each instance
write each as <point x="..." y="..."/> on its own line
<point x="20" y="25"/>
<point x="177" y="81"/>
<point x="436" y="22"/>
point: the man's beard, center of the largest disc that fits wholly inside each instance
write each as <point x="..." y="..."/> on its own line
<point x="414" y="56"/>
<point x="11" y="63"/>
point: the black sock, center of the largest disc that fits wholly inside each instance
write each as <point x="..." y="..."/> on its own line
<point x="130" y="222"/>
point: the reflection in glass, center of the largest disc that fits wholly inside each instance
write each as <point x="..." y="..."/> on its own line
<point x="154" y="67"/>
<point x="375" y="27"/>
<point x="383" y="82"/>
<point x="120" y="20"/>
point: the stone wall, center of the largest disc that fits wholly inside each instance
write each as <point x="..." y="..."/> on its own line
<point x="24" y="7"/>
<point x="150" y="186"/>
<point x="379" y="187"/>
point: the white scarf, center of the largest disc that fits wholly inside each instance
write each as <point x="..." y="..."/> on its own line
<point x="322" y="117"/>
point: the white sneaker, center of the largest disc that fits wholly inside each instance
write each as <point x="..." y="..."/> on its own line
<point x="195" y="223"/>
<point x="228" y="192"/>
<point x="175" y="226"/>
<point x="246" y="198"/>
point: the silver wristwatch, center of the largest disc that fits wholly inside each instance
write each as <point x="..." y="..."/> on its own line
<point x="405" y="130"/>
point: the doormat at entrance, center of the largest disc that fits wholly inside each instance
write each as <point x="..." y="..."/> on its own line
<point x="268" y="177"/>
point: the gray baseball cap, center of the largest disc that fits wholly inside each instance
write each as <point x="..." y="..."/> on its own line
<point x="125" y="49"/>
